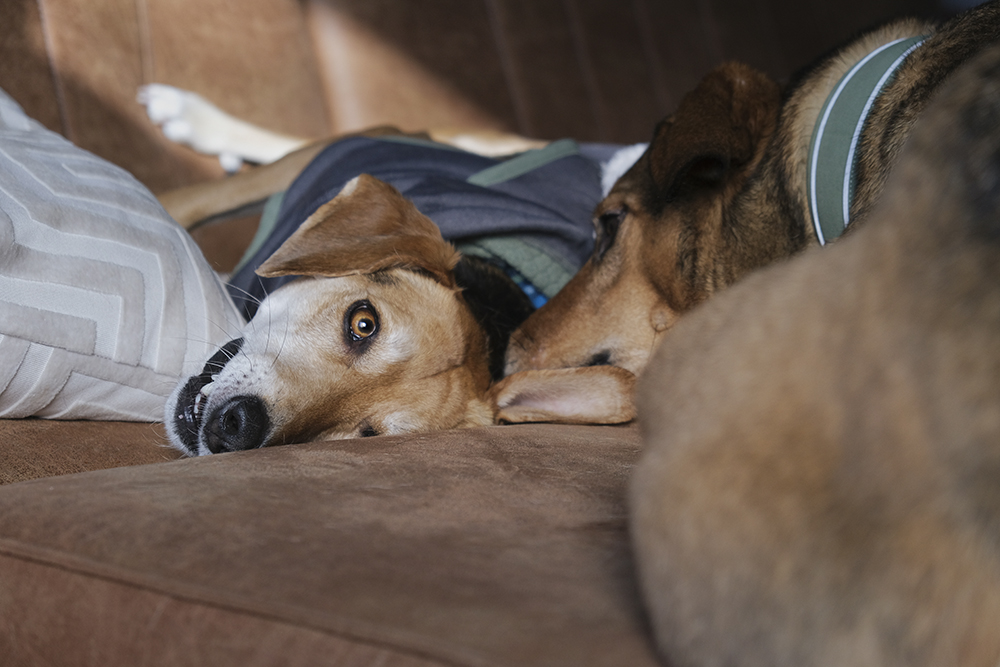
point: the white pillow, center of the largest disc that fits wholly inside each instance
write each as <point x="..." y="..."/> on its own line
<point x="105" y="301"/>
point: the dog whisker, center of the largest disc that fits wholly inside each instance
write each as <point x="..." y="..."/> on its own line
<point x="225" y="327"/>
<point x="247" y="294"/>
<point x="284" y="337"/>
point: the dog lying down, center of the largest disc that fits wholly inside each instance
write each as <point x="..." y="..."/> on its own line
<point x="388" y="331"/>
<point x="739" y="177"/>
<point x="820" y="483"/>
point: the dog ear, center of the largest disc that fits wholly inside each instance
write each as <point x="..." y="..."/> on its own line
<point x="369" y="226"/>
<point x="718" y="127"/>
<point x="587" y="395"/>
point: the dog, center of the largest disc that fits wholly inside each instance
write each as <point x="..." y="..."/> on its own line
<point x="820" y="479"/>
<point x="389" y="330"/>
<point x="724" y="188"/>
<point x="434" y="323"/>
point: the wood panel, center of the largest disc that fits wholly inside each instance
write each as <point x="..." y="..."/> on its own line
<point x="601" y="70"/>
<point x="806" y="30"/>
<point x="413" y="65"/>
<point x="96" y="53"/>
<point x="253" y="58"/>
<point x="747" y="31"/>
<point x="683" y="44"/>
<point x="76" y="67"/>
<point x="629" y="96"/>
<point x="25" y="73"/>
<point x="544" y="69"/>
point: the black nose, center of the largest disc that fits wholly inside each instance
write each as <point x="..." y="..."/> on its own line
<point x="241" y="423"/>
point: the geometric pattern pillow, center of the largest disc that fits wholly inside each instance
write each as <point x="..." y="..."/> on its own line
<point x="105" y="301"/>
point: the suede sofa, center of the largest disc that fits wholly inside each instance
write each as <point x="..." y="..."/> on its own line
<point x="485" y="547"/>
<point x="492" y="546"/>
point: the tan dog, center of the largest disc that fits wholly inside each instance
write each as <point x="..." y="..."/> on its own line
<point x="820" y="483"/>
<point x="724" y="189"/>
<point x="391" y="331"/>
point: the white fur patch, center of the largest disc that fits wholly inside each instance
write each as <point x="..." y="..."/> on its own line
<point x="395" y="423"/>
<point x="349" y="187"/>
<point x="619" y="163"/>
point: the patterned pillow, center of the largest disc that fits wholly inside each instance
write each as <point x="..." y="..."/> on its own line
<point x="104" y="300"/>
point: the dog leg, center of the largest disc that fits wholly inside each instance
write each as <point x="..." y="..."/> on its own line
<point x="190" y="119"/>
<point x="195" y="203"/>
<point x="591" y="395"/>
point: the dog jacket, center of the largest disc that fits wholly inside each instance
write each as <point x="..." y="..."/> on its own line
<point x="531" y="213"/>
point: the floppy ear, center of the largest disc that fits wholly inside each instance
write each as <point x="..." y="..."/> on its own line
<point x="718" y="127"/>
<point x="587" y="395"/>
<point x="368" y="227"/>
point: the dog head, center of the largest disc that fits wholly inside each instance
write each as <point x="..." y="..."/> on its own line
<point x="375" y="338"/>
<point x="663" y="241"/>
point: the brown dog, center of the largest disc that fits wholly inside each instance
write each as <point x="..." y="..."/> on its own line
<point x="820" y="483"/>
<point x="724" y="189"/>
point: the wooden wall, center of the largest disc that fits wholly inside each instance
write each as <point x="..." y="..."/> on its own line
<point x="598" y="70"/>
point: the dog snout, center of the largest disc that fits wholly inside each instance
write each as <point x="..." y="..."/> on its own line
<point x="240" y="423"/>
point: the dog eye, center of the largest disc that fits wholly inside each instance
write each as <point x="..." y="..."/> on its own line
<point x="606" y="231"/>
<point x="361" y="321"/>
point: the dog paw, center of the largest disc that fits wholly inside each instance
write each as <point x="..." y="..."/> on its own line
<point x="588" y="395"/>
<point x="187" y="118"/>
<point x="163" y="103"/>
<point x="230" y="162"/>
<point x="177" y="130"/>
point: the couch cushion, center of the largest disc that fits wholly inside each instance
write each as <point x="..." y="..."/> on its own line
<point x="492" y="546"/>
<point x="32" y="448"/>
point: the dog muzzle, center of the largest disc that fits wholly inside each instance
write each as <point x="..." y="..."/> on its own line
<point x="239" y="423"/>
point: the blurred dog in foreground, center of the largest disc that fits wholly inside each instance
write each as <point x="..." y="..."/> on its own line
<point x="821" y="478"/>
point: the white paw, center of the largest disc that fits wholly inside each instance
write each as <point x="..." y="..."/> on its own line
<point x="178" y="130"/>
<point x="163" y="103"/>
<point x="189" y="119"/>
<point x="230" y="162"/>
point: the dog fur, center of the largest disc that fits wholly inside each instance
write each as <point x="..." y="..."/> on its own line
<point x="721" y="192"/>
<point x="820" y="483"/>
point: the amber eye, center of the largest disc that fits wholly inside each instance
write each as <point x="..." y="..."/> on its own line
<point x="361" y="321"/>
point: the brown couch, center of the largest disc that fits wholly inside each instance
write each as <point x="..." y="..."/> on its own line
<point x="494" y="546"/>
